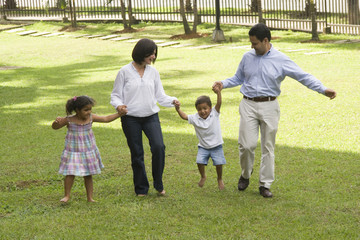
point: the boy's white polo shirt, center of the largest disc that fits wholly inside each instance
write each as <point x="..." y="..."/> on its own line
<point x="207" y="130"/>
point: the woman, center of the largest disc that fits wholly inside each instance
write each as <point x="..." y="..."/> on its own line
<point x="137" y="89"/>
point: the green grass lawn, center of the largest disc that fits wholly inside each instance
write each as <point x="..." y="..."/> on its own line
<point x="316" y="191"/>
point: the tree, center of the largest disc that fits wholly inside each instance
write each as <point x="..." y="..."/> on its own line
<point x="61" y="4"/>
<point x="354" y="13"/>
<point x="123" y="13"/>
<point x="73" y="13"/>
<point x="254" y="6"/>
<point x="130" y="14"/>
<point x="184" y="20"/>
<point x="188" y="7"/>
<point x="196" y="17"/>
<point x="312" y="8"/>
<point x="127" y="25"/>
<point x="10" y="4"/>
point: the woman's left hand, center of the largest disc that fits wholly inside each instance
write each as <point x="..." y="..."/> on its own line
<point x="122" y="110"/>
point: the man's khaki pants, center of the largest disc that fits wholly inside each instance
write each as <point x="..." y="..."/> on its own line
<point x="254" y="116"/>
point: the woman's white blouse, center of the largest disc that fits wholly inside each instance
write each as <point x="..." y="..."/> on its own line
<point x="139" y="94"/>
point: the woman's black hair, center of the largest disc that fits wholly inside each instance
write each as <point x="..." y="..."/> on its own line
<point x="203" y="99"/>
<point x="260" y="31"/>
<point x="143" y="49"/>
<point x="77" y="103"/>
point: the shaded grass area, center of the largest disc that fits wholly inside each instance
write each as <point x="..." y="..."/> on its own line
<point x="316" y="190"/>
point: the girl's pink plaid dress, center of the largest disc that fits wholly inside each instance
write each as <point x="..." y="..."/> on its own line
<point x="81" y="157"/>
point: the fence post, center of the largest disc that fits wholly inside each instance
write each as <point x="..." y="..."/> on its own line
<point x="218" y="34"/>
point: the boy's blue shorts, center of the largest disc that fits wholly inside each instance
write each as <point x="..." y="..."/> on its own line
<point x="216" y="154"/>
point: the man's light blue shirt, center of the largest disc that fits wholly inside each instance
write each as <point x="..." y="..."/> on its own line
<point x="261" y="75"/>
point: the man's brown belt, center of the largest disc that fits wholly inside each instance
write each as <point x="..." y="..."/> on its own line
<point x="260" y="99"/>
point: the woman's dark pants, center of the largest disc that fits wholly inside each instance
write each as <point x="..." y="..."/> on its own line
<point x="133" y="128"/>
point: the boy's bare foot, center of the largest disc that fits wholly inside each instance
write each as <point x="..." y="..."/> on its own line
<point x="221" y="185"/>
<point x="65" y="199"/>
<point x="202" y="182"/>
<point x="161" y="193"/>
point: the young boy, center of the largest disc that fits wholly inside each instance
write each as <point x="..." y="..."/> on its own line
<point x="207" y="127"/>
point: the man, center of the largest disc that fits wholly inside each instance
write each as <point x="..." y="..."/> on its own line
<point x="260" y="73"/>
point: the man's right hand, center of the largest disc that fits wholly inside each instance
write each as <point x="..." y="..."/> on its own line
<point x="217" y="86"/>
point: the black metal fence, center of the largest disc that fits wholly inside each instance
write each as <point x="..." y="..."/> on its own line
<point x="336" y="16"/>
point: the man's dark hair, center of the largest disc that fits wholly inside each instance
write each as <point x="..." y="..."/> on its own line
<point x="203" y="99"/>
<point x="260" y="31"/>
<point x="143" y="49"/>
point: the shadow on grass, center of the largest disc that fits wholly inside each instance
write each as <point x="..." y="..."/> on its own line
<point x="301" y="173"/>
<point x="316" y="185"/>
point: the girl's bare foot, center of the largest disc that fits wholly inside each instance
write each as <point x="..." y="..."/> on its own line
<point x="65" y="199"/>
<point x="221" y="185"/>
<point x="91" y="200"/>
<point x="202" y="182"/>
<point x="161" y="193"/>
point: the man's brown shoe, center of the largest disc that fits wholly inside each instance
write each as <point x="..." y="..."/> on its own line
<point x="243" y="183"/>
<point x="265" y="192"/>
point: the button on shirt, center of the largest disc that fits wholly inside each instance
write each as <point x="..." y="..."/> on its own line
<point x="207" y="130"/>
<point x="139" y="94"/>
<point x="261" y="75"/>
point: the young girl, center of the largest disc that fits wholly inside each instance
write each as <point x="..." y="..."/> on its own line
<point x="81" y="156"/>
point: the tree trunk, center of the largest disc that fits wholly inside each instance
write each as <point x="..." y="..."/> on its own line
<point x="254" y="6"/>
<point x="259" y="8"/>
<point x="123" y="14"/>
<point x="196" y="17"/>
<point x="188" y="6"/>
<point x="354" y="13"/>
<point x="10" y="4"/>
<point x="73" y="13"/>
<point x="130" y="13"/>
<point x="314" y="33"/>
<point x="183" y="16"/>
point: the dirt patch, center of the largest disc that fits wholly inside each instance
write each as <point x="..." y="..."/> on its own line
<point x="333" y="41"/>
<point x="72" y="29"/>
<point x="189" y="36"/>
<point x="317" y="41"/>
<point x="129" y="30"/>
<point x="9" y="67"/>
<point x="30" y="183"/>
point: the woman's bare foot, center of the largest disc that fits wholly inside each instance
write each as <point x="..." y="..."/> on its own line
<point x="221" y="185"/>
<point x="202" y="182"/>
<point x="161" y="193"/>
<point x="141" y="195"/>
<point x="65" y="199"/>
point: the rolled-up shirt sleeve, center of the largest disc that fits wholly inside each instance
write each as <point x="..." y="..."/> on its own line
<point x="235" y="80"/>
<point x="163" y="99"/>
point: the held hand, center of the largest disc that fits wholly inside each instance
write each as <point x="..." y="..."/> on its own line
<point x="330" y="93"/>
<point x="59" y="123"/>
<point x="217" y="86"/>
<point x="122" y="110"/>
<point x="216" y="90"/>
<point x="58" y="120"/>
<point x="176" y="104"/>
